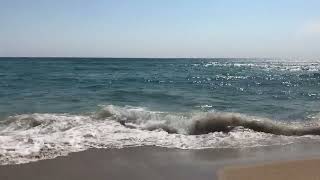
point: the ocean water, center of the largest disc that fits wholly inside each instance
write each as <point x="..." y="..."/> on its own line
<point x="53" y="106"/>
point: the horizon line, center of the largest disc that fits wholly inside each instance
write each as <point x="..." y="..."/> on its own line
<point x="106" y="57"/>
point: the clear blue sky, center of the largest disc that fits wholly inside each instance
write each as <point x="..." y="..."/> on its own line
<point x="160" y="28"/>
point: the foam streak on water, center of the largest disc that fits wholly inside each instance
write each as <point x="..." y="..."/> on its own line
<point x="30" y="137"/>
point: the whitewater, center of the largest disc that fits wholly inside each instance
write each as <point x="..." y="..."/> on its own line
<point x="31" y="137"/>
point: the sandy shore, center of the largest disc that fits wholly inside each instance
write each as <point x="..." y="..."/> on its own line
<point x="293" y="170"/>
<point x="117" y="164"/>
<point x="160" y="163"/>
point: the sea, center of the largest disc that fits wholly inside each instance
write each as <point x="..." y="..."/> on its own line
<point x="50" y="107"/>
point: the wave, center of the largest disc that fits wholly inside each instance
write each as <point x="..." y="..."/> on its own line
<point x="225" y="122"/>
<point x="208" y="122"/>
<point x="30" y="137"/>
<point x="178" y="123"/>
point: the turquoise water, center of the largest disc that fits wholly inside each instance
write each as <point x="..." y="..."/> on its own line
<point x="53" y="106"/>
<point x="271" y="88"/>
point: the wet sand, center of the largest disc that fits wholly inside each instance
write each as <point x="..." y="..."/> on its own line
<point x="293" y="170"/>
<point x="149" y="163"/>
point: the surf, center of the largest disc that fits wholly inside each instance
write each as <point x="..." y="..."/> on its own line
<point x="225" y="122"/>
<point x="206" y="122"/>
<point x="32" y="137"/>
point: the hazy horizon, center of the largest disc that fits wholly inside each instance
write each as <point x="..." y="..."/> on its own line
<point x="160" y="29"/>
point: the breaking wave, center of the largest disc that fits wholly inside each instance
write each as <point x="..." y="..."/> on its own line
<point x="30" y="137"/>
<point x="205" y="123"/>
<point x="225" y="122"/>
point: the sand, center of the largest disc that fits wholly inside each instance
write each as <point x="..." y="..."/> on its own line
<point x="158" y="163"/>
<point x="291" y="170"/>
<point x="116" y="164"/>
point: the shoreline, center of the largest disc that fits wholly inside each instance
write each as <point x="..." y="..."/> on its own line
<point x="150" y="162"/>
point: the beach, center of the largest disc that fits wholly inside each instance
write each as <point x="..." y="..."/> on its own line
<point x="159" y="90"/>
<point x="124" y="118"/>
<point x="163" y="163"/>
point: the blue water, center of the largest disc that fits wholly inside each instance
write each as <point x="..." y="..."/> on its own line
<point x="276" y="89"/>
<point x="53" y="106"/>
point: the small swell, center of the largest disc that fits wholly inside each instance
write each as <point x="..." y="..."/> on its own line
<point x="225" y="122"/>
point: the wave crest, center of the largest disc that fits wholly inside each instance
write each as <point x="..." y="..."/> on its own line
<point x="202" y="123"/>
<point x="225" y="122"/>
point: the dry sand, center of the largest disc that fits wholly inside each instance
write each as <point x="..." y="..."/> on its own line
<point x="289" y="170"/>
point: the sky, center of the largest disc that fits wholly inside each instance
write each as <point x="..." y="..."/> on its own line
<point x="160" y="28"/>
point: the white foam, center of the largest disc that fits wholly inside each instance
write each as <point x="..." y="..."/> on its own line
<point x="31" y="137"/>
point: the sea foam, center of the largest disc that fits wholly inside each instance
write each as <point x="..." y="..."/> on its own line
<point x="31" y="137"/>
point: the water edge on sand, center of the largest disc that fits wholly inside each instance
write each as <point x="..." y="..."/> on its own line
<point x="151" y="162"/>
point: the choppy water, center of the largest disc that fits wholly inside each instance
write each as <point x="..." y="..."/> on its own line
<point x="50" y="107"/>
